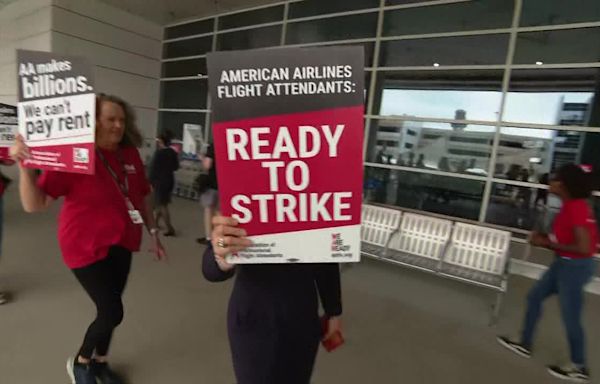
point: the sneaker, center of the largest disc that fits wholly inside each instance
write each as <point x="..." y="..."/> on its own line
<point x="3" y="298"/>
<point x="80" y="373"/>
<point x="570" y="372"/>
<point x="104" y="374"/>
<point x="169" y="233"/>
<point x="515" y="347"/>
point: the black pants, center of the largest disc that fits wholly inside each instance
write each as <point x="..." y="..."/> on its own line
<point x="104" y="281"/>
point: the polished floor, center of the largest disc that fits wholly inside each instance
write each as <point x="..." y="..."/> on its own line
<point x="401" y="326"/>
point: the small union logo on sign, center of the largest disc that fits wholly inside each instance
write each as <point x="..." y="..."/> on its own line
<point x="81" y="155"/>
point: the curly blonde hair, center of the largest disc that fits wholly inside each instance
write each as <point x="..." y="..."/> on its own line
<point x="132" y="136"/>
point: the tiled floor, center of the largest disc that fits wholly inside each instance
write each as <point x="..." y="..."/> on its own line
<point x="402" y="326"/>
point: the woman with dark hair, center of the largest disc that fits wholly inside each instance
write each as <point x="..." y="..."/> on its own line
<point x="273" y="317"/>
<point x="574" y="238"/>
<point x="163" y="166"/>
<point x="100" y="225"/>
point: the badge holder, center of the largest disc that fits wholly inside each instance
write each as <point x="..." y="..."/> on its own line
<point x="134" y="214"/>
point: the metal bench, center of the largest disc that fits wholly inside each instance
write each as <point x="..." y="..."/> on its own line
<point x="377" y="226"/>
<point x="479" y="255"/>
<point x="469" y="253"/>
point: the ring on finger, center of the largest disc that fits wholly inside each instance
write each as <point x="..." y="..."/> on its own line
<point x="221" y="243"/>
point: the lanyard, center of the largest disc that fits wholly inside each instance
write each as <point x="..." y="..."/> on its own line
<point x="123" y="187"/>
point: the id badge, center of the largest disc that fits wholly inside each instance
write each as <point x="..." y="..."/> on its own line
<point x="136" y="217"/>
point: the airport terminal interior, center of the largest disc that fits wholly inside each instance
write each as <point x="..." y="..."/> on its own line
<point x="470" y="106"/>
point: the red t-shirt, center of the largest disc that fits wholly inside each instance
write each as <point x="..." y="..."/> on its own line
<point x="94" y="215"/>
<point x="575" y="213"/>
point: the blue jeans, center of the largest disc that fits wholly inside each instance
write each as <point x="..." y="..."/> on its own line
<point x="567" y="278"/>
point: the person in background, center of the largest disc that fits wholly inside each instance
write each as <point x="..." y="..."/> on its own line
<point x="444" y="164"/>
<point x="209" y="199"/>
<point x="4" y="182"/>
<point x="273" y="317"/>
<point x="162" y="178"/>
<point x="99" y="226"/>
<point x="421" y="161"/>
<point x="542" y="194"/>
<point x="573" y="239"/>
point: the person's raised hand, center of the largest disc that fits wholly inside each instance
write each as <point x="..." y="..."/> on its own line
<point x="19" y="151"/>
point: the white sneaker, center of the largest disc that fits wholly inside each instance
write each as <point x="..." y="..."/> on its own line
<point x="514" y="346"/>
<point x="570" y="372"/>
<point x="3" y="298"/>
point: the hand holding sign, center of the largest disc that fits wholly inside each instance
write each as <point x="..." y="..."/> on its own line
<point x="19" y="151"/>
<point x="227" y="238"/>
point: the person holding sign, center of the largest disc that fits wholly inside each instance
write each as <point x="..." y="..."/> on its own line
<point x="100" y="225"/>
<point x="273" y="321"/>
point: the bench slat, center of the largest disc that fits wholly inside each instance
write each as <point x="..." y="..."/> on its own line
<point x="421" y="235"/>
<point x="378" y="224"/>
<point x="479" y="248"/>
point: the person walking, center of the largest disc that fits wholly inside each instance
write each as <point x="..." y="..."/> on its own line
<point x="209" y="199"/>
<point x="99" y="226"/>
<point x="574" y="239"/>
<point x="162" y="178"/>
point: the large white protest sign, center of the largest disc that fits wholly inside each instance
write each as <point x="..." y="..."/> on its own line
<point x="57" y="111"/>
<point x="288" y="135"/>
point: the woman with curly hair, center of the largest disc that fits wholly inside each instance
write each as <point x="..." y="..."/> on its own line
<point x="99" y="226"/>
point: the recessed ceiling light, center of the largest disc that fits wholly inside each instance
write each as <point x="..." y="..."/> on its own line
<point x="539" y="62"/>
<point x="436" y="64"/>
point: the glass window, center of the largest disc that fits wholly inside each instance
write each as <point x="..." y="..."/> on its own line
<point x="564" y="46"/>
<point x="368" y="47"/>
<point x="461" y="16"/>
<point x="191" y="47"/>
<point x="318" y="7"/>
<point x="244" y="19"/>
<point x="174" y="121"/>
<point x="182" y="68"/>
<point x="551" y="12"/>
<point x="184" y="94"/>
<point x="465" y="50"/>
<point x="461" y="95"/>
<point x="195" y="28"/>
<point x="336" y="28"/>
<point x="402" y="2"/>
<point x="444" y="195"/>
<point x="249" y="39"/>
<point x="553" y="96"/>
<point x="521" y="207"/>
<point x="457" y="148"/>
<point x="526" y="154"/>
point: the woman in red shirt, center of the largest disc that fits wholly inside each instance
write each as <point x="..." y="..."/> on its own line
<point x="574" y="238"/>
<point x="99" y="226"/>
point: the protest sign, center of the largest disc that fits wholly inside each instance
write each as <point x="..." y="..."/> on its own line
<point x="288" y="135"/>
<point x="8" y="129"/>
<point x="57" y="111"/>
